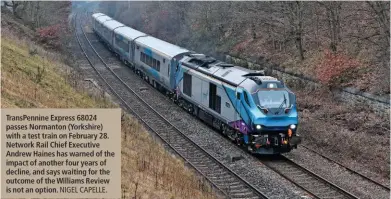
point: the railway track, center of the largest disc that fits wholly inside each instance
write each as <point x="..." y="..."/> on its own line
<point x="347" y="168"/>
<point x="220" y="176"/>
<point x="314" y="184"/>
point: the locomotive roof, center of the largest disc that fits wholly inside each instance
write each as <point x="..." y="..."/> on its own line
<point x="228" y="73"/>
<point x="128" y="33"/>
<point x="164" y="47"/>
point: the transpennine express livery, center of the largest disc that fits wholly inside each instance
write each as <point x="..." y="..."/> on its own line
<point x="256" y="111"/>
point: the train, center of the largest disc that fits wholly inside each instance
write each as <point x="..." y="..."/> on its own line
<point x="255" y="111"/>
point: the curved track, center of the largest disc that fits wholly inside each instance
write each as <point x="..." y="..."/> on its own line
<point x="306" y="179"/>
<point x="220" y="176"/>
<point x="349" y="169"/>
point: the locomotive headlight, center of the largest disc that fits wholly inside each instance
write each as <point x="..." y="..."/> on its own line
<point x="292" y="126"/>
<point x="258" y="127"/>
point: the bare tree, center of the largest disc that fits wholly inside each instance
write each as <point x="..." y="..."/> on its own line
<point x="333" y="10"/>
<point x="295" y="17"/>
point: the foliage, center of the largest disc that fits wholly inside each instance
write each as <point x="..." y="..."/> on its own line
<point x="333" y="66"/>
<point x="50" y="35"/>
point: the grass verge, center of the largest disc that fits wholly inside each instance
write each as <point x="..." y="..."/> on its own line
<point x="33" y="80"/>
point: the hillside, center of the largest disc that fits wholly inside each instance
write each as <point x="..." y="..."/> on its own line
<point x="33" y="77"/>
<point x="337" y="43"/>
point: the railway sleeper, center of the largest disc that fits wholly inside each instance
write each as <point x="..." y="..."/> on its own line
<point x="330" y="194"/>
<point x="303" y="178"/>
<point x="236" y="186"/>
<point x="224" y="182"/>
<point x="334" y="197"/>
<point x="322" y="189"/>
<point x="242" y="194"/>
<point x="214" y="167"/>
<point x="316" y="185"/>
<point x="244" y="191"/>
<point x="201" y="161"/>
<point x="214" y="176"/>
<point x="220" y="172"/>
<point x="310" y="182"/>
<point x="292" y="173"/>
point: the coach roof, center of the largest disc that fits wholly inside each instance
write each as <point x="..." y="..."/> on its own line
<point x="102" y="19"/>
<point x="128" y="33"/>
<point x="166" y="48"/>
<point x="112" y="24"/>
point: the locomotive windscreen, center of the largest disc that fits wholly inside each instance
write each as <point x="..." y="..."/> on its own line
<point x="273" y="98"/>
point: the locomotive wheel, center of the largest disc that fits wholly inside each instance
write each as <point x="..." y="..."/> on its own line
<point x="232" y="135"/>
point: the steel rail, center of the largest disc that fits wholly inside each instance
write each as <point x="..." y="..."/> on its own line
<point x="347" y="168"/>
<point x="303" y="177"/>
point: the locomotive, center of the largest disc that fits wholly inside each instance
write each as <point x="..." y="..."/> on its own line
<point x="255" y="111"/>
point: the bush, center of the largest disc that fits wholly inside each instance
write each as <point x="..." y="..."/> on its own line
<point x="50" y="35"/>
<point x="334" y="67"/>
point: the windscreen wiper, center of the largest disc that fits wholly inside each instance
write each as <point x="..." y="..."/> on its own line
<point x="282" y="104"/>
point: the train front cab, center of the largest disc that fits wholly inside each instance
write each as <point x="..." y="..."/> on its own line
<point x="275" y="123"/>
<point x="265" y="120"/>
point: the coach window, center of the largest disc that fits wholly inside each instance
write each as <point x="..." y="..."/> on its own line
<point x="123" y="44"/>
<point x="149" y="60"/>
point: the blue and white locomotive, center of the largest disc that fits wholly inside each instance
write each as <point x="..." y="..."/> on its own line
<point x="254" y="110"/>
